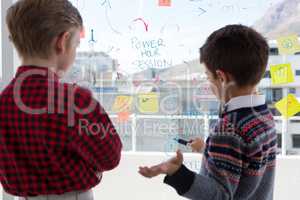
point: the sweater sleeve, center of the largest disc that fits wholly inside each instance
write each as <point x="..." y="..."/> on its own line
<point x="222" y="162"/>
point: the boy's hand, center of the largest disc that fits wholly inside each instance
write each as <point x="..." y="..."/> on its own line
<point x="197" y="145"/>
<point x="169" y="167"/>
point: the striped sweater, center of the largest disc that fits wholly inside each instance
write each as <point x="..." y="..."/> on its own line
<point x="239" y="159"/>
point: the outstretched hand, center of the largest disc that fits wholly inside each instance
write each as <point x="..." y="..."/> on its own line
<point x="169" y="167"/>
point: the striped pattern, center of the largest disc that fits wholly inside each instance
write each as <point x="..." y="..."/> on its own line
<point x="241" y="149"/>
<point x="239" y="159"/>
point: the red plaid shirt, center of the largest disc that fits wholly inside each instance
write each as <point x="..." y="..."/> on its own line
<point x="52" y="140"/>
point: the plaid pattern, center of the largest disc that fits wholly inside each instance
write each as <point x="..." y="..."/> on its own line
<point x="47" y="144"/>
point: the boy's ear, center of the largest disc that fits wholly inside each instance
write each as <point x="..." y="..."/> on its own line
<point x="61" y="43"/>
<point x="221" y="76"/>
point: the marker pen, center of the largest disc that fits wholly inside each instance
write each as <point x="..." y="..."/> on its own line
<point x="182" y="141"/>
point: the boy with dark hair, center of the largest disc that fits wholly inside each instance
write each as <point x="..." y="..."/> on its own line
<point x="240" y="153"/>
<point x="56" y="139"/>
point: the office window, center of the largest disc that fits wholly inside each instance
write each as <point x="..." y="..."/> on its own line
<point x="279" y="140"/>
<point x="292" y="90"/>
<point x="267" y="74"/>
<point x="296" y="141"/>
<point x="268" y="94"/>
<point x="144" y="56"/>
<point x="274" y="51"/>
<point x="277" y="94"/>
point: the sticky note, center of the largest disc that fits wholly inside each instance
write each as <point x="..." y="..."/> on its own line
<point x="165" y="3"/>
<point x="82" y="33"/>
<point x="288" y="45"/>
<point x="288" y="106"/>
<point x="122" y="103"/>
<point x="148" y="103"/>
<point x="282" y="74"/>
<point x="123" y="117"/>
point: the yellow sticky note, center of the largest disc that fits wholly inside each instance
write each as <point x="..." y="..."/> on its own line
<point x="282" y="74"/>
<point x="122" y="103"/>
<point x="288" y="45"/>
<point x="288" y="106"/>
<point x="148" y="103"/>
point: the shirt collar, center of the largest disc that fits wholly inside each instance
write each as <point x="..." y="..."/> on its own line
<point x="36" y="70"/>
<point x="246" y="101"/>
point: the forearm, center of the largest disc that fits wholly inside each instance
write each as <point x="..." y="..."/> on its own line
<point x="205" y="188"/>
<point x="196" y="186"/>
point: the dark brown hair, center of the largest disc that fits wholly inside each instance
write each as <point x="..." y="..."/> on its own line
<point x="238" y="50"/>
<point x="33" y="24"/>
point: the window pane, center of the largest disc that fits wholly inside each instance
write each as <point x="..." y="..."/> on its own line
<point x="148" y="57"/>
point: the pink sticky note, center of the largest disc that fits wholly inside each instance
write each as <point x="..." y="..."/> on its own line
<point x="82" y="33"/>
<point x="165" y="3"/>
<point x="123" y="117"/>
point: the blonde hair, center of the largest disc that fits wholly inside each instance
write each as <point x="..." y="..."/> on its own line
<point x="33" y="24"/>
